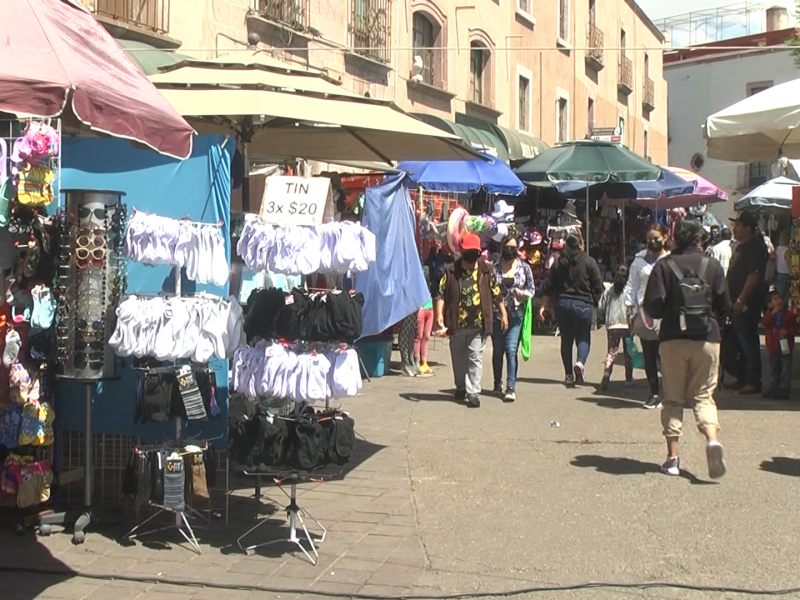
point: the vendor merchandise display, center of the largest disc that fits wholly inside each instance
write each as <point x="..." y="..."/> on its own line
<point x="176" y="392"/>
<point x="298" y="373"/>
<point x="200" y="328"/>
<point x="300" y="315"/>
<point x="197" y="247"/>
<point x="339" y="247"/>
<point x="303" y="440"/>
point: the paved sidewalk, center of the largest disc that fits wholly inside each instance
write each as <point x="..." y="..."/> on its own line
<point x="446" y="499"/>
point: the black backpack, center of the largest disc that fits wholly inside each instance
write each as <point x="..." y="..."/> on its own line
<point x="695" y="301"/>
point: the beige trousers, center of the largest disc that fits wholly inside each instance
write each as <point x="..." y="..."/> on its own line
<point x="690" y="370"/>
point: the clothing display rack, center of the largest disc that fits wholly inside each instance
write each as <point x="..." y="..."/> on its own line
<point x="181" y="515"/>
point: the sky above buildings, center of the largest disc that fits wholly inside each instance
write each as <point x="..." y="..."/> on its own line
<point x="659" y="9"/>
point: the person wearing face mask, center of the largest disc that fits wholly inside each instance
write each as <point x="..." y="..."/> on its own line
<point x="573" y="288"/>
<point x="643" y="326"/>
<point x="516" y="288"/>
<point x="464" y="308"/>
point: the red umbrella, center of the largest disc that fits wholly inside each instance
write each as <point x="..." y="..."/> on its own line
<point x="56" y="58"/>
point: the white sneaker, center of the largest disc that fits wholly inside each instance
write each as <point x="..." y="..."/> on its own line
<point x="716" y="460"/>
<point x="672" y="466"/>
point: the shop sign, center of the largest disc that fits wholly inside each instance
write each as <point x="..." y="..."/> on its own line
<point x="528" y="150"/>
<point x="295" y="200"/>
<point x="490" y="150"/>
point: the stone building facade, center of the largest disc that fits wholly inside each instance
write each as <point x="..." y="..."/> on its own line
<point x="522" y="70"/>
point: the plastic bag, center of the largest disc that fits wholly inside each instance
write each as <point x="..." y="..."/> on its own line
<point x="527" y="330"/>
<point x="637" y="358"/>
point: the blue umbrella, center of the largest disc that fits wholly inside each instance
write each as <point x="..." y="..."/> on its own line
<point x="464" y="176"/>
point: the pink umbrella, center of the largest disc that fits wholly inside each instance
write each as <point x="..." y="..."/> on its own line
<point x="705" y="192"/>
<point x="55" y="59"/>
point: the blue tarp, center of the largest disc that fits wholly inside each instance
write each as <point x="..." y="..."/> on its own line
<point x="464" y="176"/>
<point x="394" y="286"/>
<point x="198" y="188"/>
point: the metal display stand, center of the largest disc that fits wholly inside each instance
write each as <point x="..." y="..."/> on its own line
<point x="181" y="522"/>
<point x="294" y="514"/>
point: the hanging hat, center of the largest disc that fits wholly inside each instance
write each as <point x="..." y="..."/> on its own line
<point x="454" y="228"/>
<point x="502" y="209"/>
<point x="502" y="232"/>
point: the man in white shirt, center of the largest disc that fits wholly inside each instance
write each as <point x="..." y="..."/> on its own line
<point x="723" y="250"/>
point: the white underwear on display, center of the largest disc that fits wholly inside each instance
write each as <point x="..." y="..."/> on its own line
<point x="197" y="247"/>
<point x="199" y="328"/>
<point x="272" y="370"/>
<point x="340" y="247"/>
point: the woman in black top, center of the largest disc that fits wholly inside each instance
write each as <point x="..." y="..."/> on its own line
<point x="573" y="288"/>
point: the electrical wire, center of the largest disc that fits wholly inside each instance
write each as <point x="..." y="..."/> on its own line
<point x="719" y="589"/>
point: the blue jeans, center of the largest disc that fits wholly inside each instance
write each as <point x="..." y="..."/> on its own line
<point x="574" y="318"/>
<point x="506" y="344"/>
<point x="781" y="372"/>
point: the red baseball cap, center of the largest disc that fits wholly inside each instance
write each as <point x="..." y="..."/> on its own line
<point x="470" y="241"/>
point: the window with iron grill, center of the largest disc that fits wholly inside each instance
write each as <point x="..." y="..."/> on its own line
<point x="150" y="14"/>
<point x="563" y="120"/>
<point x="370" y="28"/>
<point x="426" y="34"/>
<point x="523" y="109"/>
<point x="563" y="19"/>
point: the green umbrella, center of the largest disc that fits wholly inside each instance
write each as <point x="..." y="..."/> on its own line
<point x="587" y="161"/>
<point x="573" y="168"/>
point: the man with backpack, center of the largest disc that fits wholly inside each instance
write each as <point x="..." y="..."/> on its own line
<point x="688" y="291"/>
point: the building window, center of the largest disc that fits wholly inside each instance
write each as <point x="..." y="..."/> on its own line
<point x="524" y="6"/>
<point x="562" y="120"/>
<point x="426" y="40"/>
<point x="621" y="128"/>
<point x="563" y="20"/>
<point x="479" y="73"/>
<point x="370" y="29"/>
<point x="622" y="44"/>
<point x="590" y="116"/>
<point x="149" y="14"/>
<point x="647" y="66"/>
<point x="646" y="144"/>
<point x="524" y="103"/>
<point x="757" y="171"/>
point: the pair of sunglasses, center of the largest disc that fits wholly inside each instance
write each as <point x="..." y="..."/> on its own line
<point x="86" y="213"/>
<point x="82" y="362"/>
<point x="83" y="325"/>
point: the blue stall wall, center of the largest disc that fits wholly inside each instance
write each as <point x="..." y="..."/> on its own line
<point x="197" y="188"/>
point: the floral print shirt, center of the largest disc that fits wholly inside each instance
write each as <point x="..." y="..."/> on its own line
<point x="523" y="280"/>
<point x="470" y="315"/>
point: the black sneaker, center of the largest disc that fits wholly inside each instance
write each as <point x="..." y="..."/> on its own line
<point x="653" y="402"/>
<point x="461" y="395"/>
<point x="498" y="389"/>
<point x="473" y="401"/>
<point x="510" y="395"/>
<point x="605" y="381"/>
<point x="569" y="381"/>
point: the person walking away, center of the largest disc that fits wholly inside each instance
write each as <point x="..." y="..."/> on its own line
<point x="687" y="291"/>
<point x="465" y="308"/>
<point x="643" y="325"/>
<point x="612" y="305"/>
<point x="572" y="288"/>
<point x="424" y="327"/>
<point x="722" y="250"/>
<point x="516" y="288"/>
<point x="747" y="285"/>
<point x="783" y="280"/>
<point x="780" y="325"/>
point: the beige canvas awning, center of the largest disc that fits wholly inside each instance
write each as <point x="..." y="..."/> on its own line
<point x="288" y="113"/>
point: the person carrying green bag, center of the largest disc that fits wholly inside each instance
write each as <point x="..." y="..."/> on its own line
<point x="516" y="289"/>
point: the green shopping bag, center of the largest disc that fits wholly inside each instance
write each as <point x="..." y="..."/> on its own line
<point x="637" y="358"/>
<point x="527" y="330"/>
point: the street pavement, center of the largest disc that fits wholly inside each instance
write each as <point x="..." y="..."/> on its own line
<point x="560" y="488"/>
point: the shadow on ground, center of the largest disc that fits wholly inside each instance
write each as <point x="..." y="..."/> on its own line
<point x="782" y="465"/>
<point x="619" y="465"/>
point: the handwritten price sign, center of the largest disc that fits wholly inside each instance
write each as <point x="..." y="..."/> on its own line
<point x="295" y="200"/>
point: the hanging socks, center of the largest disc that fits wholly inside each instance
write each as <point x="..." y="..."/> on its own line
<point x="191" y="396"/>
<point x="13" y="343"/>
<point x="174" y="482"/>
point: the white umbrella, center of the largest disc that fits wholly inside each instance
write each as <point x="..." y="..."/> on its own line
<point x="775" y="193"/>
<point x="759" y="128"/>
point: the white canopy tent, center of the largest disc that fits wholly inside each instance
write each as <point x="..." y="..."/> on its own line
<point x="762" y="128"/>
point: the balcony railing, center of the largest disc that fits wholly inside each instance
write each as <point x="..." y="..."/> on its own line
<point x="595" y="41"/>
<point x="625" y="80"/>
<point x="370" y="29"/>
<point x="649" y="94"/>
<point x="291" y="13"/>
<point x="149" y="14"/>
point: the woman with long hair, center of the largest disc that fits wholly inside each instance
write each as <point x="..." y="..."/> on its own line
<point x="572" y="289"/>
<point x="516" y="288"/>
<point x="642" y="326"/>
